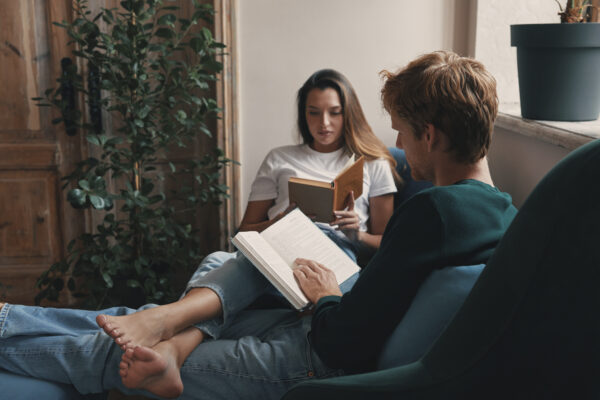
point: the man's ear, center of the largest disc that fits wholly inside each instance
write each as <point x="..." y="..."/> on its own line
<point x="431" y="136"/>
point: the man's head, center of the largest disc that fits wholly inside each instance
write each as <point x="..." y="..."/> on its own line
<point x="456" y="95"/>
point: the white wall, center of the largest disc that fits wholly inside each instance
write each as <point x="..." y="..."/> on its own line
<point x="492" y="42"/>
<point x="517" y="162"/>
<point x="282" y="42"/>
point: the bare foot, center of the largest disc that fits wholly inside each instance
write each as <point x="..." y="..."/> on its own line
<point x="143" y="328"/>
<point x="155" y="370"/>
<point x="2" y="305"/>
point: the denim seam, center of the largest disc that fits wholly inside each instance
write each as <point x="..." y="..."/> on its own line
<point x="206" y="326"/>
<point x="3" y="318"/>
<point x="247" y="376"/>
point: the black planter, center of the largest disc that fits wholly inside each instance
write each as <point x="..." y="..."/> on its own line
<point x="559" y="70"/>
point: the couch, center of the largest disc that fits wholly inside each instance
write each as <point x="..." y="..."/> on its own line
<point x="529" y="328"/>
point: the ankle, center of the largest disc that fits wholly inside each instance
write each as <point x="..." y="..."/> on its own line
<point x="2" y="305"/>
<point x="168" y="316"/>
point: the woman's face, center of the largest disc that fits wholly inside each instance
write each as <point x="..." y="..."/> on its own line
<point x="325" y="119"/>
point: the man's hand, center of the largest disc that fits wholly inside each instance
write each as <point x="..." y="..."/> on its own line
<point x="347" y="221"/>
<point x="315" y="280"/>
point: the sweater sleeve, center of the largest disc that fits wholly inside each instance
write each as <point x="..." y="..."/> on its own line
<point x="349" y="332"/>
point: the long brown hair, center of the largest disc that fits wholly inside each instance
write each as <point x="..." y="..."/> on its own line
<point x="358" y="136"/>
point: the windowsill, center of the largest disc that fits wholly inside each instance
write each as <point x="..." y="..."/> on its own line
<point x="569" y="135"/>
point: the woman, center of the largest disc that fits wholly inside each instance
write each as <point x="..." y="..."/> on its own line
<point x="333" y="127"/>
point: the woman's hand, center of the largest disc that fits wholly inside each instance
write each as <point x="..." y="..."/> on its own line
<point x="315" y="280"/>
<point x="347" y="221"/>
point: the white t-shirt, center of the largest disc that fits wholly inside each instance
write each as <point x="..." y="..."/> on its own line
<point x="300" y="160"/>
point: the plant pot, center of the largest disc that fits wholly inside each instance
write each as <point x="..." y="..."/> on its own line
<point x="559" y="70"/>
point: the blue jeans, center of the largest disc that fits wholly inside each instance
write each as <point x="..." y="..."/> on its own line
<point x="260" y="355"/>
<point x="238" y="283"/>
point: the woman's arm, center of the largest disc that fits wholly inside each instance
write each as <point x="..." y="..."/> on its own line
<point x="381" y="209"/>
<point x="256" y="215"/>
<point x="256" y="218"/>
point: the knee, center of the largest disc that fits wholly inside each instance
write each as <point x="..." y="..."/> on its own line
<point x="217" y="258"/>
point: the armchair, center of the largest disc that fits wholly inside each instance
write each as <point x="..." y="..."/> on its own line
<point x="530" y="327"/>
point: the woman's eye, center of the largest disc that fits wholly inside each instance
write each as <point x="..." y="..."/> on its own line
<point x="313" y="113"/>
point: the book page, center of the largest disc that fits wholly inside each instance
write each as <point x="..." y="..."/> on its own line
<point x="271" y="265"/>
<point x="295" y="235"/>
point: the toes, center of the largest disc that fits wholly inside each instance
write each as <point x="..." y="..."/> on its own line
<point x="101" y="320"/>
<point x="128" y="354"/>
<point x="116" y="334"/>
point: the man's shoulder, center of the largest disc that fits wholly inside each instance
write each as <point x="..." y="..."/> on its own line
<point x="465" y="196"/>
<point x="467" y="189"/>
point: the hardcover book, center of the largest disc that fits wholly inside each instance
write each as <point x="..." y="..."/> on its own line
<point x="320" y="199"/>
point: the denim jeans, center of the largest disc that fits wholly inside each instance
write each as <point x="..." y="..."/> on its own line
<point x="238" y="283"/>
<point x="260" y="353"/>
<point x="259" y="356"/>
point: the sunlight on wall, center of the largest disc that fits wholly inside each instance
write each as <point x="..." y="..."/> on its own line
<point x="492" y="43"/>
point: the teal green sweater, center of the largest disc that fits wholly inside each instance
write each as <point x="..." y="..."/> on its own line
<point x="439" y="227"/>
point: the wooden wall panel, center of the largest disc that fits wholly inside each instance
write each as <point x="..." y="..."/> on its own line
<point x="35" y="220"/>
<point x="29" y="230"/>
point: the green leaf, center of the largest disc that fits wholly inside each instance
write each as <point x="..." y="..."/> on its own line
<point x="107" y="279"/>
<point x="197" y="44"/>
<point x="133" y="283"/>
<point x="167" y="19"/>
<point x="77" y="198"/>
<point x="164" y="33"/>
<point x="96" y="259"/>
<point x="97" y="201"/>
<point x="84" y="184"/>
<point x="181" y="116"/>
<point x="93" y="139"/>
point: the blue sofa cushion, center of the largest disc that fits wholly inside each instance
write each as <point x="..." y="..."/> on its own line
<point x="436" y="302"/>
<point x="410" y="186"/>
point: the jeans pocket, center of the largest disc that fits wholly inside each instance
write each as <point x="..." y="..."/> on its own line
<point x="316" y="367"/>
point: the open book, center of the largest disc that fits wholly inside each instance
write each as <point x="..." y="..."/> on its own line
<point x="320" y="198"/>
<point x="274" y="250"/>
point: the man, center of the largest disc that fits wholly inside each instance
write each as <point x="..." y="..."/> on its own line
<point x="443" y="107"/>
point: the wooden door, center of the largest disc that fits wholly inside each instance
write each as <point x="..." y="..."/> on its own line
<point x="34" y="154"/>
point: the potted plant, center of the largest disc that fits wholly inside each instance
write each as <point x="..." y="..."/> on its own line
<point x="558" y="65"/>
<point x="151" y="71"/>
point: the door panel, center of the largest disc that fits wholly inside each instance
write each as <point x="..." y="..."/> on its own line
<point x="33" y="152"/>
